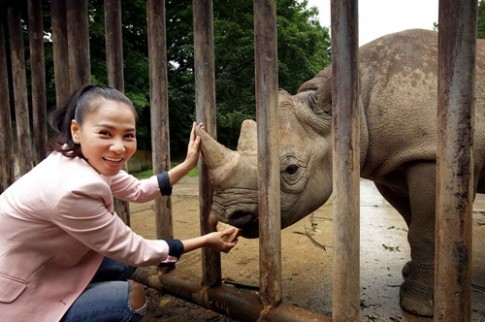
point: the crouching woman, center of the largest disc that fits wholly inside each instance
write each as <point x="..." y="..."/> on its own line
<point x="65" y="255"/>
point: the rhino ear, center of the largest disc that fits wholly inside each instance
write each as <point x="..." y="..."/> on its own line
<point x="320" y="101"/>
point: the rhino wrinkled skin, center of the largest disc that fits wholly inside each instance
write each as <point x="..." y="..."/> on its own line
<point x="398" y="143"/>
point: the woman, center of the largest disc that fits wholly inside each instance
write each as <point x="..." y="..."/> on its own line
<point x="64" y="253"/>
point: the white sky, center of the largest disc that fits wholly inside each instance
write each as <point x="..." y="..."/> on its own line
<point x="381" y="17"/>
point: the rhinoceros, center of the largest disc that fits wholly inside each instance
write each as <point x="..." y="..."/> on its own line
<point x="398" y="143"/>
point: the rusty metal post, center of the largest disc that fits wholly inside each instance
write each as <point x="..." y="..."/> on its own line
<point x="114" y="64"/>
<point x="157" y="64"/>
<point x="60" y="51"/>
<point x="19" y="79"/>
<point x="456" y="79"/>
<point x="37" y="63"/>
<point x="346" y="161"/>
<point x="78" y="43"/>
<point x="266" y="70"/>
<point x="6" y="148"/>
<point x="205" y="104"/>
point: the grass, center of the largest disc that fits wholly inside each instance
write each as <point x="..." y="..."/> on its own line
<point x="149" y="172"/>
<point x="143" y="174"/>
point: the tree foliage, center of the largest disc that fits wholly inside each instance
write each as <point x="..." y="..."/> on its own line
<point x="302" y="48"/>
<point x="302" y="45"/>
<point x="481" y="19"/>
<point x="302" y="52"/>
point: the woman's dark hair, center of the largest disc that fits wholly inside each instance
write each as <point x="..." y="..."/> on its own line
<point x="82" y="102"/>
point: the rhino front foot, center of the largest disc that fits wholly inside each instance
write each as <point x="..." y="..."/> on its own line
<point x="416" y="303"/>
<point x="417" y="290"/>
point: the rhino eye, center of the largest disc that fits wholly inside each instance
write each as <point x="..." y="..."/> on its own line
<point x="291" y="169"/>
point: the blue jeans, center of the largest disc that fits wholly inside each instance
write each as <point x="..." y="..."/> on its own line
<point x="107" y="296"/>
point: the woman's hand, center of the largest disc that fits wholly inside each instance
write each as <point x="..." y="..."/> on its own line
<point x="215" y="240"/>
<point x="220" y="240"/>
<point x="179" y="171"/>
<point x="193" y="148"/>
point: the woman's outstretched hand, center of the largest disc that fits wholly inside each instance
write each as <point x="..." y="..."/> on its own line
<point x="193" y="148"/>
<point x="179" y="171"/>
<point x="220" y="240"/>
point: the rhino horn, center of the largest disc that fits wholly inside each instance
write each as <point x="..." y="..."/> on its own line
<point x="248" y="138"/>
<point x="216" y="156"/>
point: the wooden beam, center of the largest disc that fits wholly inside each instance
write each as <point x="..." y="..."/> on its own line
<point x="60" y="51"/>
<point x="19" y="78"/>
<point x="37" y="65"/>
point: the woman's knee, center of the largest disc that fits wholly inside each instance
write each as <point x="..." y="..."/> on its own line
<point x="137" y="298"/>
<point x="109" y="301"/>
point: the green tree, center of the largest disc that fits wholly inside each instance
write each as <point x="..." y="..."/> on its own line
<point x="303" y="50"/>
<point x="135" y="56"/>
<point x="481" y="19"/>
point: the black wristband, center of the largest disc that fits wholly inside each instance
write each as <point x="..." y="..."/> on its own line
<point x="164" y="184"/>
<point x="176" y="248"/>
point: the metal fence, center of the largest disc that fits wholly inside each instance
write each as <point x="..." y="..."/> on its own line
<point x="457" y="34"/>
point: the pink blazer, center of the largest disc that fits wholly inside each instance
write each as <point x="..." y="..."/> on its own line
<point x="56" y="225"/>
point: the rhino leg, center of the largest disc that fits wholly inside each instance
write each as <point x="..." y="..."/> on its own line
<point x="418" y="210"/>
<point x="400" y="202"/>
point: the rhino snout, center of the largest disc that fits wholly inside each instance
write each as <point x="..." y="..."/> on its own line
<point x="238" y="210"/>
<point x="247" y="222"/>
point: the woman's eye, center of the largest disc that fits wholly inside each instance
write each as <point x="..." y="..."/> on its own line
<point x="130" y="136"/>
<point x="291" y="169"/>
<point x="105" y="133"/>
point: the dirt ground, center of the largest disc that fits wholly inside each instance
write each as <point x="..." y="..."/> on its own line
<point x="307" y="259"/>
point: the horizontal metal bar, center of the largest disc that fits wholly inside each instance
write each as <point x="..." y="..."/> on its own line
<point x="239" y="304"/>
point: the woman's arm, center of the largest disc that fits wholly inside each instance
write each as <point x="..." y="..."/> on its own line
<point x="215" y="240"/>
<point x="222" y="241"/>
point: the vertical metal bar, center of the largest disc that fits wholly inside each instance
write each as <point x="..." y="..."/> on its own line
<point x="19" y="79"/>
<point x="205" y="103"/>
<point x="346" y="161"/>
<point x="266" y="63"/>
<point x="60" y="51"/>
<point x="157" y="64"/>
<point x="6" y="148"/>
<point x="37" y="63"/>
<point x="78" y="43"/>
<point x="456" y="78"/>
<point x="114" y="64"/>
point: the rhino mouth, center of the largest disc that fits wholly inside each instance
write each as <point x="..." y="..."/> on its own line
<point x="237" y="209"/>
<point x="247" y="222"/>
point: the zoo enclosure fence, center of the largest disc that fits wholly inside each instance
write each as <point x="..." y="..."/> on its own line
<point x="72" y="69"/>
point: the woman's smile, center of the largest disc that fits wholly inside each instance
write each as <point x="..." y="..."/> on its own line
<point x="114" y="162"/>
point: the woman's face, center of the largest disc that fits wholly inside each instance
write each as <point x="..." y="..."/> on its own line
<point x="107" y="136"/>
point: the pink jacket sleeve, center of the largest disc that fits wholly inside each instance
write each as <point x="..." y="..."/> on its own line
<point x="128" y="188"/>
<point x="84" y="214"/>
